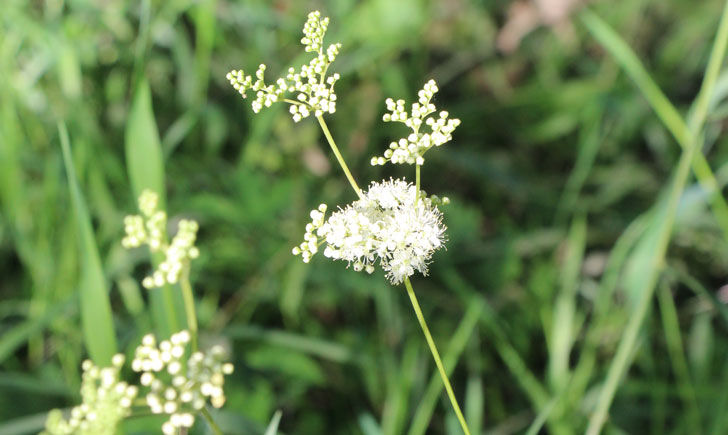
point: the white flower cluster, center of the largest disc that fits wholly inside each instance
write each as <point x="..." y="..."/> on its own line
<point x="179" y="387"/>
<point x="150" y="228"/>
<point x="106" y="400"/>
<point x="388" y="225"/>
<point x="411" y="149"/>
<point x="315" y="91"/>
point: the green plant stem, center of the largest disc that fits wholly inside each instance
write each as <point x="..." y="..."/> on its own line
<point x="436" y="355"/>
<point x="211" y="422"/>
<point x="628" y="342"/>
<point x="417" y="183"/>
<point x="410" y="291"/>
<point x="189" y="299"/>
<point x="340" y="159"/>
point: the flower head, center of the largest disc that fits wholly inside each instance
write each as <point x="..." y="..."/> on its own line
<point x="180" y="386"/>
<point x="314" y="90"/>
<point x="411" y="149"/>
<point x="106" y="400"/>
<point x="389" y="226"/>
<point x="150" y="228"/>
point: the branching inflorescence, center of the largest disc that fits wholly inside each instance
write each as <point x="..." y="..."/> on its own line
<point x="150" y="228"/>
<point x="393" y="223"/>
<point x="179" y="385"/>
<point x="314" y="90"/>
<point x="412" y="149"/>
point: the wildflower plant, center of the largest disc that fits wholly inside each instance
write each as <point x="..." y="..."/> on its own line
<point x="393" y="223"/>
<point x="176" y="379"/>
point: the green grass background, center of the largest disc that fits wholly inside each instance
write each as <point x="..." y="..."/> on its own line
<point x="559" y="178"/>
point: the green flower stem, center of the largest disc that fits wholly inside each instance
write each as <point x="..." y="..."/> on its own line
<point x="410" y="291"/>
<point x="417" y="183"/>
<point x="335" y="149"/>
<point x="435" y="354"/>
<point x="189" y="299"/>
<point x="211" y="422"/>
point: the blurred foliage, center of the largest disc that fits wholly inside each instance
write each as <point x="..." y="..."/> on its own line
<point x="557" y="156"/>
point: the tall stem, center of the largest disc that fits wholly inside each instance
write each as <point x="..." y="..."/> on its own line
<point x="189" y="306"/>
<point x="342" y="163"/>
<point x="417" y="183"/>
<point x="410" y="291"/>
<point x="435" y="355"/>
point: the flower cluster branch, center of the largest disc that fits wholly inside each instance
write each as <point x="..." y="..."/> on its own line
<point x="150" y="228"/>
<point x="314" y="90"/>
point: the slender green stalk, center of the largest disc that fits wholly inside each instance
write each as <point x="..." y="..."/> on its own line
<point x="626" y="347"/>
<point x="417" y="183"/>
<point x="410" y="291"/>
<point x="211" y="422"/>
<point x="436" y="355"/>
<point x="335" y="149"/>
<point x="189" y="299"/>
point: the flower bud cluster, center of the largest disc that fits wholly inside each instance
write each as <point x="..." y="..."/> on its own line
<point x="389" y="226"/>
<point x="179" y="386"/>
<point x="411" y="149"/>
<point x="314" y="91"/>
<point x="150" y="228"/>
<point x="106" y="400"/>
<point x="310" y="243"/>
<point x="177" y="256"/>
<point x="314" y="31"/>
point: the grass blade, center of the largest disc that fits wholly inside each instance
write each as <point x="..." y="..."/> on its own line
<point x="96" y="318"/>
<point x="17" y="336"/>
<point x="528" y="382"/>
<point x="663" y="230"/>
<point x="143" y="150"/>
<point x="272" y="428"/>
<point x="562" y="334"/>
<point x="24" y="425"/>
<point x="668" y="114"/>
<point x="145" y="163"/>
<point x="676" y="350"/>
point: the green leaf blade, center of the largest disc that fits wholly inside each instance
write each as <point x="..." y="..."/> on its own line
<point x="96" y="318"/>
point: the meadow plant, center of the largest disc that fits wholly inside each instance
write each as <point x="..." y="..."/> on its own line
<point x="176" y="379"/>
<point x="393" y="224"/>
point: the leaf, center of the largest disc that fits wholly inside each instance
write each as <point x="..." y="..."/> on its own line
<point x="145" y="163"/>
<point x="272" y="428"/>
<point x="96" y="318"/>
<point x="144" y="157"/>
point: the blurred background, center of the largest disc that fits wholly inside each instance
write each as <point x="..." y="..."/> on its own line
<point x="559" y="157"/>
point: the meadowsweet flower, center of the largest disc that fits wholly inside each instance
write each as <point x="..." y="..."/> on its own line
<point x="411" y="149"/>
<point x="313" y="89"/>
<point x="388" y="226"/>
<point x="179" y="386"/>
<point x="106" y="400"/>
<point x="150" y="228"/>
